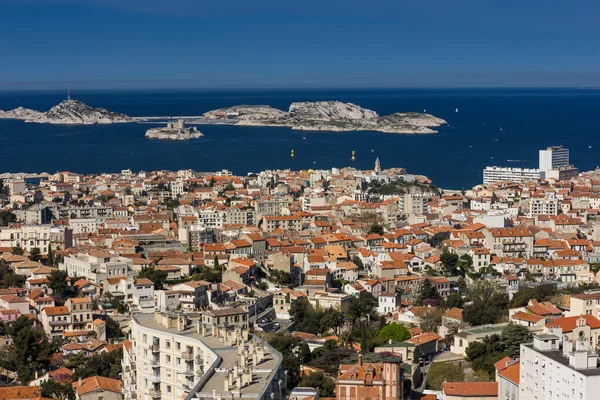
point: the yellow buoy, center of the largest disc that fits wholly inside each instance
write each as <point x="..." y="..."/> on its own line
<point x="353" y="155"/>
<point x="292" y="153"/>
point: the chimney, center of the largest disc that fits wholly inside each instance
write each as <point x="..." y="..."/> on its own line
<point x="360" y="359"/>
<point x="235" y="368"/>
<point x="180" y="323"/>
<point x="226" y="385"/>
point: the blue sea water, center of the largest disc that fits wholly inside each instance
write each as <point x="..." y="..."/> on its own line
<point x="531" y="119"/>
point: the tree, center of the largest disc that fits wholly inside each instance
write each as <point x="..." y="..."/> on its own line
<point x="450" y="261"/>
<point x="50" y="261"/>
<point x="229" y="188"/>
<point x="488" y="303"/>
<point x="395" y="332"/>
<point x="58" y="282"/>
<point x="358" y="262"/>
<point x="441" y="372"/>
<point x="324" y="384"/>
<point x="362" y="305"/>
<point x="431" y="320"/>
<point x="428" y="292"/>
<point x="484" y="354"/>
<point x="512" y="337"/>
<point x="454" y="300"/>
<point x="30" y="349"/>
<point x="113" y="329"/>
<point x="7" y="217"/>
<point x="18" y="250"/>
<point x="376" y="228"/>
<point x="155" y="275"/>
<point x="104" y="364"/>
<point x="286" y="345"/>
<point x="35" y="254"/>
<point x="55" y="390"/>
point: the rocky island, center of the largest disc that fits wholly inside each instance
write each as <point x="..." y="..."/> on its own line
<point x="68" y="112"/>
<point x="326" y="116"/>
<point x="174" y="131"/>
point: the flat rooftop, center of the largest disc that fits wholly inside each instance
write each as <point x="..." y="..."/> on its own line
<point x="557" y="356"/>
<point x="260" y="380"/>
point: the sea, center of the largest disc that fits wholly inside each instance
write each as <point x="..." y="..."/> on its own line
<point x="486" y="127"/>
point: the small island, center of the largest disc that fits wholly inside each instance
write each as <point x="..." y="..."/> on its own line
<point x="174" y="131"/>
<point x="68" y="112"/>
<point x="325" y="116"/>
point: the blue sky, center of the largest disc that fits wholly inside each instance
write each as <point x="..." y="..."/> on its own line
<point x="327" y="43"/>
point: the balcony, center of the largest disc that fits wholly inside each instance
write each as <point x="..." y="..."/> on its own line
<point x="189" y="372"/>
<point x="59" y="322"/>
<point x="154" y="361"/>
<point x="155" y="393"/>
<point x="187" y="355"/>
<point x="154" y="378"/>
<point x="155" y="348"/>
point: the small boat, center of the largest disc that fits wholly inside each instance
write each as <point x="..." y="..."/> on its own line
<point x="470" y="147"/>
<point x="500" y="126"/>
<point x="589" y="147"/>
<point x="303" y="135"/>
<point x="456" y="109"/>
<point x="424" y="110"/>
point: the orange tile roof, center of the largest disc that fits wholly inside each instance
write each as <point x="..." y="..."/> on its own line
<point x="19" y="392"/>
<point x="470" y="389"/>
<point x="523" y="316"/>
<point x="512" y="373"/>
<point x="97" y="382"/>
<point x="569" y="323"/>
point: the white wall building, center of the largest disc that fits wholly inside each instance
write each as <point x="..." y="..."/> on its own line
<point x="506" y="174"/>
<point x="555" y="368"/>
<point x="553" y="157"/>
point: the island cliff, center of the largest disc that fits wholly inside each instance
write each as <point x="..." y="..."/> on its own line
<point x="68" y="112"/>
<point x="326" y="116"/>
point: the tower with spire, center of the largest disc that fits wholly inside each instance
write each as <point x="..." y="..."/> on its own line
<point x="377" y="165"/>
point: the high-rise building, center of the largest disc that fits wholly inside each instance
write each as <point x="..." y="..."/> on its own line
<point x="553" y="157"/>
<point x="504" y="174"/>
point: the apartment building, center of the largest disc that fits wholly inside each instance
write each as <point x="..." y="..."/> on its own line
<point x="509" y="242"/>
<point x="556" y="368"/>
<point x="80" y="309"/>
<point x="97" y="266"/>
<point x="176" y="357"/>
<point x="504" y="174"/>
<point x="55" y="320"/>
<point x="27" y="237"/>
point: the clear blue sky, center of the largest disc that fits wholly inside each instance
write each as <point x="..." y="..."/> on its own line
<point x="298" y="43"/>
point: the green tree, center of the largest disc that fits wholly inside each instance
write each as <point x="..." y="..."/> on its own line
<point x="428" y="292"/>
<point x="55" y="390"/>
<point x="113" y="329"/>
<point x="287" y="345"/>
<point x="362" y="305"/>
<point x="358" y="262"/>
<point x="324" y="384"/>
<point x="395" y="332"/>
<point x="376" y="228"/>
<point x="30" y="350"/>
<point x="104" y="364"/>
<point x="50" y="261"/>
<point x="488" y="303"/>
<point x="454" y="300"/>
<point x="7" y="217"/>
<point x="58" y="282"/>
<point x="155" y="275"/>
<point x="18" y="250"/>
<point x="512" y="337"/>
<point x="450" y="261"/>
<point x="441" y="372"/>
<point x="35" y="254"/>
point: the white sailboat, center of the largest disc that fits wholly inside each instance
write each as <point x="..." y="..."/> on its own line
<point x="456" y="109"/>
<point x="303" y="135"/>
<point x="500" y="126"/>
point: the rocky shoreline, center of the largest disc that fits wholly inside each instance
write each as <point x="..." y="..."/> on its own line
<point x="327" y="116"/>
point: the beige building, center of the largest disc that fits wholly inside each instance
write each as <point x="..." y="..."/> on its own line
<point x="98" y="388"/>
<point x="81" y="313"/>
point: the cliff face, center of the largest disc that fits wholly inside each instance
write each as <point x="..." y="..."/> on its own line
<point x="70" y="112"/>
<point x="327" y="116"/>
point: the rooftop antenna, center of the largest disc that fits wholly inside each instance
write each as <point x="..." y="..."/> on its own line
<point x="69" y="93"/>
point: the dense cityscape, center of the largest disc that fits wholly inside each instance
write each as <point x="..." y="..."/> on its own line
<point x="308" y="284"/>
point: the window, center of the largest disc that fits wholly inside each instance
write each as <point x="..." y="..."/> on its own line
<point x="169" y="389"/>
<point x="168" y="358"/>
<point x="178" y="345"/>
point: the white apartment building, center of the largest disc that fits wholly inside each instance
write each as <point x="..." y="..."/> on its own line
<point x="555" y="368"/>
<point x="27" y="237"/>
<point x="86" y="225"/>
<point x="176" y="358"/>
<point x="553" y="157"/>
<point x="547" y="205"/>
<point x="506" y="174"/>
<point x="96" y="266"/>
<point x="414" y="203"/>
